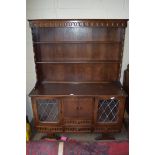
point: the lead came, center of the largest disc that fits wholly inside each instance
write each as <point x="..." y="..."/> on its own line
<point x="107" y="110"/>
<point x="48" y="110"/>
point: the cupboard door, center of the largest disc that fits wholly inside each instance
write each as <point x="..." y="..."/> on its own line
<point x="109" y="110"/>
<point x="85" y="107"/>
<point x="70" y="107"/>
<point x="78" y="107"/>
<point x="47" y="110"/>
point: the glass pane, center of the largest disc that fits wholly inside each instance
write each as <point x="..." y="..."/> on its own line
<point x="48" y="110"/>
<point x="107" y="110"/>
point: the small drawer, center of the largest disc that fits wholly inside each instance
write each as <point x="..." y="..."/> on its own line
<point x="77" y="129"/>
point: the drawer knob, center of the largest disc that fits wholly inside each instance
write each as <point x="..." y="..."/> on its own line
<point x="78" y="108"/>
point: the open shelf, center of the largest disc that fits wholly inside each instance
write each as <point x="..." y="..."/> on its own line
<point x="76" y="61"/>
<point x="77" y="42"/>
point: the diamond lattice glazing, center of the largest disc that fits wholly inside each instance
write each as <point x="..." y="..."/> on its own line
<point x="48" y="110"/>
<point x="107" y="110"/>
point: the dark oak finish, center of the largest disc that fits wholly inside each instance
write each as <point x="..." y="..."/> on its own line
<point x="78" y="72"/>
<point x="120" y="23"/>
<point x="78" y="64"/>
<point x="76" y="34"/>
<point x="78" y="89"/>
<point x="78" y="107"/>
<point x="63" y="52"/>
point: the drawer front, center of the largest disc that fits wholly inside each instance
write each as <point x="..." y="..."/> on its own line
<point x="77" y="129"/>
<point x="77" y="122"/>
<point x="47" y="129"/>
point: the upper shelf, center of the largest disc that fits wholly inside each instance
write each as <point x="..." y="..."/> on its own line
<point x="80" y="61"/>
<point x="77" y="42"/>
<point x="77" y="35"/>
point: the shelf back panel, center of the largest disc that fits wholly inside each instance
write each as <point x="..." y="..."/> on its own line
<point x="76" y="34"/>
<point x="77" y="52"/>
<point x="78" y="72"/>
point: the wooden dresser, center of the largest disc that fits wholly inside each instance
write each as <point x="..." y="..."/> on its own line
<point x="78" y="66"/>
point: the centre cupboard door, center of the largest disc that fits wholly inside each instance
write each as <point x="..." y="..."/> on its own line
<point x="77" y="110"/>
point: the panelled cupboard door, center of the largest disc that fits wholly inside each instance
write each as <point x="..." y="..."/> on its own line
<point x="70" y="107"/>
<point x="109" y="110"/>
<point x="78" y="108"/>
<point x="47" y="110"/>
<point x="85" y="107"/>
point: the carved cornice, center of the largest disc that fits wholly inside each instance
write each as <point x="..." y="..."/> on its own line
<point x="79" y="23"/>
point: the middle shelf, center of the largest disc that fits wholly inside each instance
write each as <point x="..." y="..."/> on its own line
<point x="76" y="61"/>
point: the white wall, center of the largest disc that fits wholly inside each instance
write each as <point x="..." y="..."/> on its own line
<point x="59" y="9"/>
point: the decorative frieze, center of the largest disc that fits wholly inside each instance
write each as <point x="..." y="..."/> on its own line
<point x="79" y="23"/>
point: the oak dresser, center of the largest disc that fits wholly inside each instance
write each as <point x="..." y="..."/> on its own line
<point x="78" y="66"/>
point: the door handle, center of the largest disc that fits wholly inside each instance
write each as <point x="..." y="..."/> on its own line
<point x="80" y="108"/>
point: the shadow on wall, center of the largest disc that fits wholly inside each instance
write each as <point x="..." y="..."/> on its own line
<point x="29" y="108"/>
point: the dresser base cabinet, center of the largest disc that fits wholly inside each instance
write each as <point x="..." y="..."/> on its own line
<point x="78" y="67"/>
<point x="78" y="114"/>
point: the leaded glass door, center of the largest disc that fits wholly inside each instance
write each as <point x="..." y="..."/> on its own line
<point x="107" y="110"/>
<point x="48" y="110"/>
